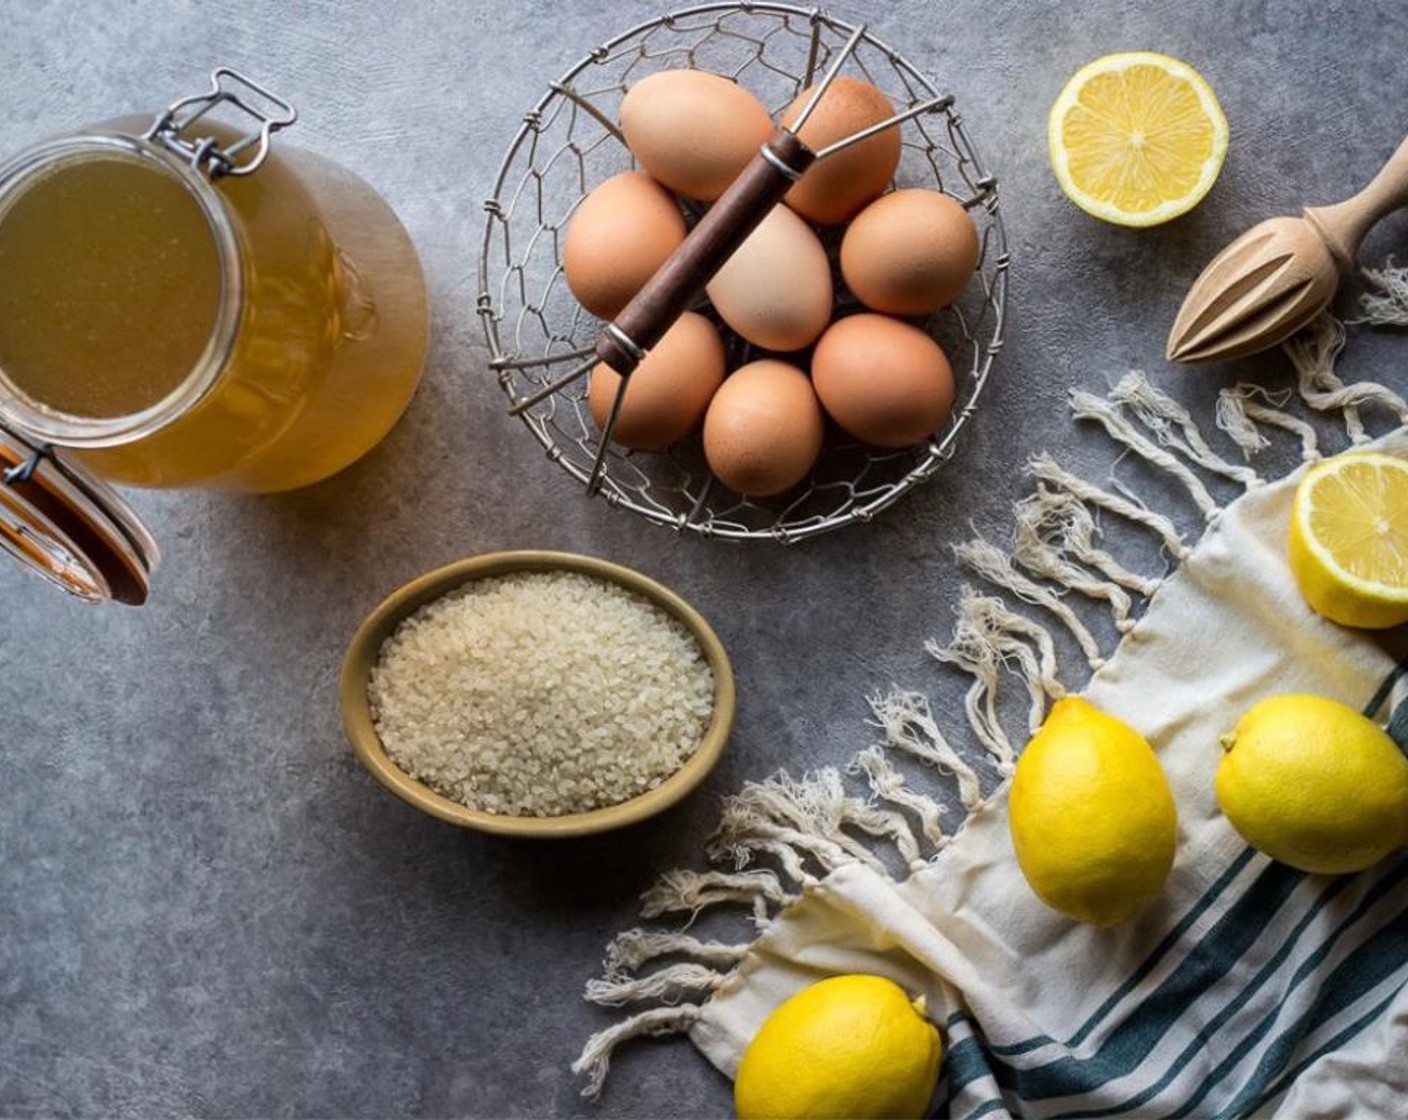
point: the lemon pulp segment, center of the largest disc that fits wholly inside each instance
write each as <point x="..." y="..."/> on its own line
<point x="1349" y="539"/>
<point x="1137" y="138"/>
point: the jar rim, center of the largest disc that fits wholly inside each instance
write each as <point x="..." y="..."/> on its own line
<point x="51" y="425"/>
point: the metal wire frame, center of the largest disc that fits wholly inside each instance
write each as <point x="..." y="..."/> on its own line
<point x="535" y="330"/>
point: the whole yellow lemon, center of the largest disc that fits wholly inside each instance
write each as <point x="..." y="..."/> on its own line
<point x="851" y="1046"/>
<point x="1092" y="817"/>
<point x="1314" y="784"/>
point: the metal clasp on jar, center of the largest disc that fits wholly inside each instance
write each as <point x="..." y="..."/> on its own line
<point x="227" y="87"/>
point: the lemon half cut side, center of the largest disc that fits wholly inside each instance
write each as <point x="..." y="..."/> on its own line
<point x="1349" y="539"/>
<point x="1137" y="138"/>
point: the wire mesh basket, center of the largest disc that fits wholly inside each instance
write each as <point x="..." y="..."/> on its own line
<point x="569" y="142"/>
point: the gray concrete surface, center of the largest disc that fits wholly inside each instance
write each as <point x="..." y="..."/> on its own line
<point x="206" y="908"/>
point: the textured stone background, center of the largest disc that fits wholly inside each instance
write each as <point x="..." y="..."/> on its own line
<point x="206" y="908"/>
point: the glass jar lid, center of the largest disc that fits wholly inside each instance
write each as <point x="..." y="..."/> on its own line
<point x="58" y="520"/>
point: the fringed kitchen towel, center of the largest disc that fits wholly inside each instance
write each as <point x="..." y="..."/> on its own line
<point x="1248" y="988"/>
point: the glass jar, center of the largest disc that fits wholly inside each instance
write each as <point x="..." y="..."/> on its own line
<point x="185" y="303"/>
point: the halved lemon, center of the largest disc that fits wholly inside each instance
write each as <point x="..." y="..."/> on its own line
<point x="1137" y="138"/>
<point x="1349" y="539"/>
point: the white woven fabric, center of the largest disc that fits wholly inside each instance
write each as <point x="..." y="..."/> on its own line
<point x="1248" y="988"/>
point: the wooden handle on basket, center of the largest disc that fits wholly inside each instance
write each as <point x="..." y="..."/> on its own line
<point x="667" y="294"/>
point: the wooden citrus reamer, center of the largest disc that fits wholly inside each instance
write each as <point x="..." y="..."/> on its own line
<point x="1279" y="275"/>
<point x="761" y="185"/>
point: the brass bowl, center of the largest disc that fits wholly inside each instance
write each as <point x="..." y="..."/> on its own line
<point x="366" y="645"/>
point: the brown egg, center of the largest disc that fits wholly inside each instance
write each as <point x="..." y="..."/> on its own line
<point x="621" y="233"/>
<point x="669" y="391"/>
<point x="776" y="288"/>
<point x="763" y="430"/>
<point x="692" y="130"/>
<point x="882" y="380"/>
<point x="835" y="188"/>
<point x="910" y="252"/>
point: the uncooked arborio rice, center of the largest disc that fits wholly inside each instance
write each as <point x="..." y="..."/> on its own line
<point x="541" y="693"/>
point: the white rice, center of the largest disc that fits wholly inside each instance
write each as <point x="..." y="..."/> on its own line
<point x="541" y="693"/>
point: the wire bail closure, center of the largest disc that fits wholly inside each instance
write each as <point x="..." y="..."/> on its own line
<point x="204" y="153"/>
<point x="68" y="526"/>
<point x="23" y="472"/>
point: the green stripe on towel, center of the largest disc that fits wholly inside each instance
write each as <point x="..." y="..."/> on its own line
<point x="1334" y="1043"/>
<point x="1132" y="1040"/>
<point x="1205" y="1034"/>
<point x="1215" y="955"/>
<point x="1381" y="696"/>
<point x="1366" y="967"/>
<point x="964" y="1063"/>
<point x="1398" y="725"/>
<point x="1152" y="961"/>
<point x="1304" y="972"/>
<point x="985" y="1108"/>
<point x="1360" y="973"/>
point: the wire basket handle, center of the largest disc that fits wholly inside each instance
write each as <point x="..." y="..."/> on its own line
<point x="779" y="163"/>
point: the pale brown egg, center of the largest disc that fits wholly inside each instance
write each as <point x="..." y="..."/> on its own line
<point x="621" y="233"/>
<point x="833" y="189"/>
<point x="910" y="252"/>
<point x="776" y="288"/>
<point x="763" y="430"/>
<point x="669" y="392"/>
<point x="882" y="380"/>
<point x="692" y="130"/>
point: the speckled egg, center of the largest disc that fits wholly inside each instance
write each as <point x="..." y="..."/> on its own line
<point x="620" y="235"/>
<point x="776" y="288"/>
<point x="882" y="380"/>
<point x="763" y="430"/>
<point x="667" y="395"/>
<point x="692" y="130"/>
<point x="835" y="188"/>
<point x="910" y="252"/>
